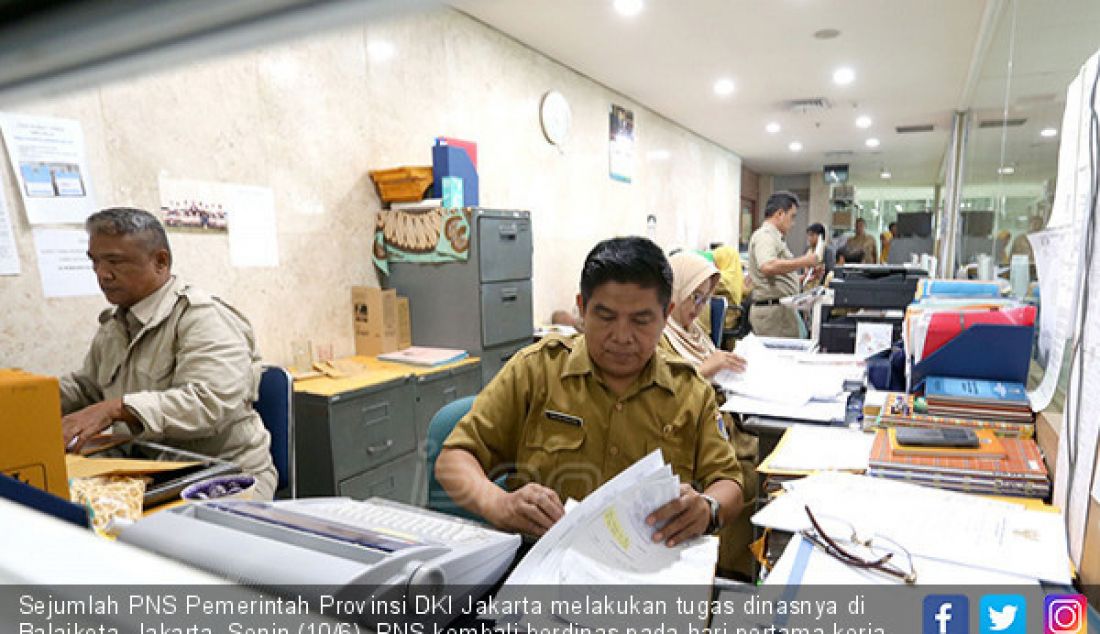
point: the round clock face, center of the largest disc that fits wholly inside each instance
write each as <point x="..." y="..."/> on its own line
<point x="555" y="116"/>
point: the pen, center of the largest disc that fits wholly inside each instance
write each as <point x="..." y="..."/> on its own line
<point x="72" y="443"/>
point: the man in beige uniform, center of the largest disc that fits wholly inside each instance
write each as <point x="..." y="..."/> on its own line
<point x="173" y="363"/>
<point x="863" y="243"/>
<point x="774" y="270"/>
<point x="567" y="414"/>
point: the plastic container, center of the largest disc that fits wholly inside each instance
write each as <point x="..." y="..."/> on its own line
<point x="228" y="487"/>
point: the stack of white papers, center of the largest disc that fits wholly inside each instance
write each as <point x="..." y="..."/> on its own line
<point x="944" y="526"/>
<point x="814" y="448"/>
<point x="604" y="540"/>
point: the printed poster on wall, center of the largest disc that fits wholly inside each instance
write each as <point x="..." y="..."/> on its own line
<point x="63" y="263"/>
<point x="9" y="256"/>
<point x="621" y="144"/>
<point x="51" y="170"/>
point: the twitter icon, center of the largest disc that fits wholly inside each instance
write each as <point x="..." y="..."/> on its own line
<point x="1003" y="614"/>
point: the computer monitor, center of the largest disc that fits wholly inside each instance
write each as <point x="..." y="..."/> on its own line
<point x="914" y="224"/>
<point x="836" y="174"/>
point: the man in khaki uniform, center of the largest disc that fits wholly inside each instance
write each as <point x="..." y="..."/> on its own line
<point x="567" y="414"/>
<point x="863" y="243"/>
<point x="174" y="364"/>
<point x="774" y="270"/>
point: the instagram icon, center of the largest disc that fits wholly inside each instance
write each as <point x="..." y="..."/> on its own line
<point x="1065" y="614"/>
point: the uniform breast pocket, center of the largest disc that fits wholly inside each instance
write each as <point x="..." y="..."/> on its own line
<point x="677" y="445"/>
<point x="156" y="371"/>
<point x="554" y="454"/>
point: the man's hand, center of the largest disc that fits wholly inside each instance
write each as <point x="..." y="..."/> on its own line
<point x="530" y="509"/>
<point x="721" y="360"/>
<point x="681" y="519"/>
<point x="80" y="426"/>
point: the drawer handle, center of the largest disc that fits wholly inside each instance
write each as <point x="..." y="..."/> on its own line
<point x="373" y="449"/>
<point x="509" y="294"/>
<point x="508" y="232"/>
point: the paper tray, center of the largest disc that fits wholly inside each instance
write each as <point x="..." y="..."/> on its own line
<point x="167" y="486"/>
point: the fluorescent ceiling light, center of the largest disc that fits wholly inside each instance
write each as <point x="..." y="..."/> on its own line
<point x="723" y="87"/>
<point x="772" y="128"/>
<point x="885" y="174"/>
<point x="871" y="142"/>
<point x="898" y="208"/>
<point x="658" y="155"/>
<point x="844" y="76"/>
<point x="794" y="146"/>
<point x="1006" y="170"/>
<point x="380" y="51"/>
<point x="863" y="121"/>
<point x="1048" y="132"/>
<point x="629" y="8"/>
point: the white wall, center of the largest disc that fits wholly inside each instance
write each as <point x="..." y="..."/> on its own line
<point x="310" y="118"/>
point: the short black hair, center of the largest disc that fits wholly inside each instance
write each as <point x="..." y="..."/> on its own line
<point x="859" y="220"/>
<point x="892" y="226"/>
<point x="817" y="228"/>
<point x="629" y="260"/>
<point x="122" y="221"/>
<point x="780" y="201"/>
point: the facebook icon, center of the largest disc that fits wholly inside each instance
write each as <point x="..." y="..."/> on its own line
<point x="946" y="614"/>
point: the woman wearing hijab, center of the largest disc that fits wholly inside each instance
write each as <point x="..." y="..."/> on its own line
<point x="694" y="279"/>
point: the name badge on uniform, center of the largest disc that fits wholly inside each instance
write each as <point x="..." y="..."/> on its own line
<point x="561" y="417"/>
<point x="722" y="431"/>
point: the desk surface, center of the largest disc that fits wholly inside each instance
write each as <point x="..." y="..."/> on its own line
<point x="377" y="372"/>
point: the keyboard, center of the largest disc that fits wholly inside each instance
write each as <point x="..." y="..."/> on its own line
<point x="409" y="521"/>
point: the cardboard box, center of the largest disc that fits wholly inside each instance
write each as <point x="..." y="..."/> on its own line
<point x="375" y="315"/>
<point x="404" y="324"/>
<point x="30" y="425"/>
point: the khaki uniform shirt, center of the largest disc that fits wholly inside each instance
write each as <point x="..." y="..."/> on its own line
<point x="765" y="245"/>
<point x="550" y="418"/>
<point x="186" y="365"/>
<point x="866" y="244"/>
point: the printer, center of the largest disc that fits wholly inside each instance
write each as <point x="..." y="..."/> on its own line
<point x="870" y="293"/>
<point x="331" y="546"/>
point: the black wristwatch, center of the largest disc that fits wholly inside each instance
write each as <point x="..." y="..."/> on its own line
<point x="715" y="523"/>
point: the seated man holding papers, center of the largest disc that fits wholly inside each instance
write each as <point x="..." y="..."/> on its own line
<point x="174" y="364"/>
<point x="567" y="414"/>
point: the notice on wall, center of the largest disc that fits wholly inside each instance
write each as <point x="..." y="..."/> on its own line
<point x="63" y="263"/>
<point x="621" y="144"/>
<point x="51" y="170"/>
<point x="245" y="212"/>
<point x="9" y="257"/>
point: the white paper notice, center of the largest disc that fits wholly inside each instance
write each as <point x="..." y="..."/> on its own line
<point x="1055" y="261"/>
<point x="9" y="256"/>
<point x="47" y="156"/>
<point x="63" y="263"/>
<point x="252" y="237"/>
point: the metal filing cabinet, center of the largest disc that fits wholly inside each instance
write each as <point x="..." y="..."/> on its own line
<point x="367" y="436"/>
<point x="482" y="305"/>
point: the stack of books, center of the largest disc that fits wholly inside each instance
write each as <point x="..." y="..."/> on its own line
<point x="998" y="466"/>
<point x="973" y="398"/>
<point x="899" y="410"/>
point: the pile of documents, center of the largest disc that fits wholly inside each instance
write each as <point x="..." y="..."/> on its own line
<point x="998" y="466"/>
<point x="950" y="537"/>
<point x="785" y="383"/>
<point x="806" y="449"/>
<point x="934" y="321"/>
<point x="972" y="398"/>
<point x="900" y="410"/>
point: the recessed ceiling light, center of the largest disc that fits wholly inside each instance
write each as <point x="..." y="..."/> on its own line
<point x="871" y="142"/>
<point x="1006" y="170"/>
<point x="885" y="174"/>
<point x="1048" y="132"/>
<point x="629" y="8"/>
<point x="658" y="155"/>
<point x="794" y="146"/>
<point x="844" y="76"/>
<point x="826" y="34"/>
<point x="897" y="208"/>
<point x="772" y="127"/>
<point x="723" y="87"/>
<point x="863" y="121"/>
<point x="380" y="50"/>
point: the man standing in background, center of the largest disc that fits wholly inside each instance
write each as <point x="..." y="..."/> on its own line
<point x="774" y="269"/>
<point x="862" y="243"/>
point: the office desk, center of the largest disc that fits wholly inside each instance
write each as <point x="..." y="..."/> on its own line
<point x="366" y="435"/>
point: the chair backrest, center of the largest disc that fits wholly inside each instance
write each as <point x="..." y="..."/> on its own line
<point x="438" y="429"/>
<point x="717" y="318"/>
<point x="275" y="406"/>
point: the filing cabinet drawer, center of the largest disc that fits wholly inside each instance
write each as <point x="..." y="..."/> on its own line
<point x="506" y="313"/>
<point x="436" y="390"/>
<point x="372" y="429"/>
<point x="504" y="248"/>
<point x="398" y="480"/>
<point x="493" y="359"/>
